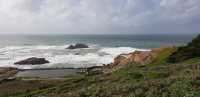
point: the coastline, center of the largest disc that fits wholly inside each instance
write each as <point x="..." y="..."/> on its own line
<point x="62" y="72"/>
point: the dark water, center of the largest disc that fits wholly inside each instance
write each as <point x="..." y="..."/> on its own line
<point x="136" y="41"/>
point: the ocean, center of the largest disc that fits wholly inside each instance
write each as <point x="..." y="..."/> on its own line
<point x="102" y="48"/>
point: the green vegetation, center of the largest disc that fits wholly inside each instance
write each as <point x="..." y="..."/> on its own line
<point x="192" y="61"/>
<point x="161" y="57"/>
<point x="192" y="50"/>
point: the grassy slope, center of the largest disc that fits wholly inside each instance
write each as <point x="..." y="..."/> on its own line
<point x="19" y="86"/>
<point x="156" y="79"/>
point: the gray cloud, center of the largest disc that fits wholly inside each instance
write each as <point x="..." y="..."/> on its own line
<point x="99" y="16"/>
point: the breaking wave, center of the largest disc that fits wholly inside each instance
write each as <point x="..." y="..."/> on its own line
<point x="60" y="57"/>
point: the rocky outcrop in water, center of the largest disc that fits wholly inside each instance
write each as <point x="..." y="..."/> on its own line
<point x="6" y="72"/>
<point x="78" y="46"/>
<point x="32" y="61"/>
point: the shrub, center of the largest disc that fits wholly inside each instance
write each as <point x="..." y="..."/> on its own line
<point x="191" y="50"/>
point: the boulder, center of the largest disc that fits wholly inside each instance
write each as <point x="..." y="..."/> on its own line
<point x="7" y="72"/>
<point x="78" y="46"/>
<point x="32" y="61"/>
<point x="122" y="59"/>
<point x="141" y="57"/>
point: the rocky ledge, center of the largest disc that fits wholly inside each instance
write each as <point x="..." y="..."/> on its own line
<point x="78" y="46"/>
<point x="137" y="57"/>
<point x="7" y="72"/>
<point x="32" y="61"/>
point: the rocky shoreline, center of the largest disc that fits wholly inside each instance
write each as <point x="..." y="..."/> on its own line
<point x="7" y="72"/>
<point x="137" y="57"/>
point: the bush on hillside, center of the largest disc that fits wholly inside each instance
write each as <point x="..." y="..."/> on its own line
<point x="191" y="50"/>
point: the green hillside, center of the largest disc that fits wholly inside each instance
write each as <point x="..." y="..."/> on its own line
<point x="191" y="50"/>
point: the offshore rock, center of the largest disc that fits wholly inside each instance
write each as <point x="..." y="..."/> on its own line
<point x="32" y="61"/>
<point x="78" y="46"/>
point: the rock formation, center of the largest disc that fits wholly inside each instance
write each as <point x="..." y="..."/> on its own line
<point x="78" y="46"/>
<point x="6" y="72"/>
<point x="137" y="57"/>
<point x="32" y="61"/>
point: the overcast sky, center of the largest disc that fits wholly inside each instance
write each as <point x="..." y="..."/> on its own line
<point x="99" y="16"/>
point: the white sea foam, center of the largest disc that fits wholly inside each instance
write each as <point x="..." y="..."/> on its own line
<point x="60" y="57"/>
<point x="120" y="50"/>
